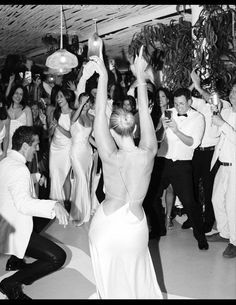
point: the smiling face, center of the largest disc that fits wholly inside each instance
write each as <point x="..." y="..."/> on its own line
<point x="61" y="100"/>
<point x="17" y="96"/>
<point x="163" y="99"/>
<point x="126" y="105"/>
<point x="181" y="104"/>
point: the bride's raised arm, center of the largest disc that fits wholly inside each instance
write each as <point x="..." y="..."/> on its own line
<point x="103" y="137"/>
<point x="147" y="138"/>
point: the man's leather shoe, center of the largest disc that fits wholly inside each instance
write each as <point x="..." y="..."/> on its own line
<point x="13" y="291"/>
<point x="203" y="245"/>
<point x="216" y="237"/>
<point x="15" y="264"/>
<point x="186" y="224"/>
<point x="230" y="251"/>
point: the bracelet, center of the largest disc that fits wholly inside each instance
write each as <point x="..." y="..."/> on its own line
<point x="140" y="84"/>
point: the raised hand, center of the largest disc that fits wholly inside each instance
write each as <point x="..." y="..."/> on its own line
<point x="42" y="116"/>
<point x="98" y="65"/>
<point x="11" y="78"/>
<point x="71" y="85"/>
<point x="195" y="79"/>
<point x="88" y="70"/>
<point x="140" y="65"/>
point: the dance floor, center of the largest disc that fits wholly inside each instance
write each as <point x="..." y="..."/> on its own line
<point x="183" y="271"/>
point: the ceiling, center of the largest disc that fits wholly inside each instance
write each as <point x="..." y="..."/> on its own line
<point x="23" y="26"/>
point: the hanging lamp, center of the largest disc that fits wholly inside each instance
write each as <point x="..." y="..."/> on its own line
<point x="61" y="61"/>
<point x="95" y="43"/>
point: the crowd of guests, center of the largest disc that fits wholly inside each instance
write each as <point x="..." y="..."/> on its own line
<point x="194" y="164"/>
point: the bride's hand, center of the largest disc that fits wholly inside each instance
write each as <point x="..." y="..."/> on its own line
<point x="140" y="64"/>
<point x="99" y="65"/>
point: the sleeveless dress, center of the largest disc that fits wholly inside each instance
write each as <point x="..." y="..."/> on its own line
<point x="14" y="124"/>
<point x="122" y="263"/>
<point x="82" y="162"/>
<point x="59" y="159"/>
<point x="2" y="136"/>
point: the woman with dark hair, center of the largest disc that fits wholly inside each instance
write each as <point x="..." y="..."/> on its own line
<point x="59" y="154"/>
<point x="118" y="233"/>
<point x="129" y="104"/>
<point x="81" y="159"/>
<point x="18" y="110"/>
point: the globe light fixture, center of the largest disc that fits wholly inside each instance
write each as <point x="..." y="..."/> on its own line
<point x="61" y="61"/>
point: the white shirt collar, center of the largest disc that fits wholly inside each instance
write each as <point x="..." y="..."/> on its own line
<point x="16" y="155"/>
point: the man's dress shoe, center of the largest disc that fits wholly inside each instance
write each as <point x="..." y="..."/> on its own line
<point x="203" y="245"/>
<point x="16" y="264"/>
<point x="13" y="291"/>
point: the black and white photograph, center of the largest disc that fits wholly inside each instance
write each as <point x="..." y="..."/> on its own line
<point x="117" y="151"/>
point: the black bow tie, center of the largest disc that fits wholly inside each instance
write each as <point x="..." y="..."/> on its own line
<point x="185" y="114"/>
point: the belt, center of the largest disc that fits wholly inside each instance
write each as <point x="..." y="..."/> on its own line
<point x="225" y="163"/>
<point x="205" y="148"/>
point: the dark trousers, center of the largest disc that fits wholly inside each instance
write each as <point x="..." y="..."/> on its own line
<point x="49" y="258"/>
<point x="201" y="170"/>
<point x="158" y="218"/>
<point x="179" y="175"/>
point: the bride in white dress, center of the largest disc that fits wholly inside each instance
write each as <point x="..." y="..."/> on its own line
<point x="82" y="160"/>
<point x="59" y="154"/>
<point x="118" y="234"/>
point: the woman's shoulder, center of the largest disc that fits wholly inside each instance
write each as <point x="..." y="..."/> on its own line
<point x="27" y="109"/>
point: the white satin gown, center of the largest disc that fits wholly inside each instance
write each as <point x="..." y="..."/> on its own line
<point x="59" y="159"/>
<point x="14" y="124"/>
<point x="122" y="264"/>
<point x="82" y="162"/>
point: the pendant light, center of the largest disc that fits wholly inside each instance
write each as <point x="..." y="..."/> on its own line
<point x="61" y="61"/>
<point x="95" y="43"/>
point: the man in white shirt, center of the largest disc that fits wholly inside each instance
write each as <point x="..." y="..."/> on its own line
<point x="183" y="133"/>
<point x="203" y="154"/>
<point x="224" y="190"/>
<point x="18" y="205"/>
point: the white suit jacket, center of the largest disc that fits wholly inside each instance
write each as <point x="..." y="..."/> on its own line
<point x="18" y="205"/>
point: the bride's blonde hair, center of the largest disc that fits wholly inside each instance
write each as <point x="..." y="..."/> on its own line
<point x="122" y="122"/>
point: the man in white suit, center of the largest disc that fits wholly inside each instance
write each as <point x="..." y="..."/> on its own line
<point x="224" y="192"/>
<point x="18" y="205"/>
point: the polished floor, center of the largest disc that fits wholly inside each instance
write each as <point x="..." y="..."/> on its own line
<point x="183" y="271"/>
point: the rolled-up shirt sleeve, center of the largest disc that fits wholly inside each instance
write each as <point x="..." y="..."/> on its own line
<point x="198" y="131"/>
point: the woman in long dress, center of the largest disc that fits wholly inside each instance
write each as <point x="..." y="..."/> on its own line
<point x="18" y="111"/>
<point x="118" y="233"/>
<point x="81" y="160"/>
<point x="59" y="154"/>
